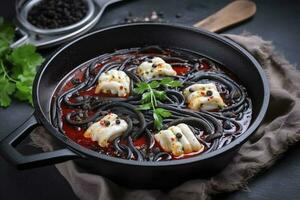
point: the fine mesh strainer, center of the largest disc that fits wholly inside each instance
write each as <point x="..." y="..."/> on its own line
<point x="43" y="38"/>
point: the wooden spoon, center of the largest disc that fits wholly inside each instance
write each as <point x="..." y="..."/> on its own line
<point x="235" y="12"/>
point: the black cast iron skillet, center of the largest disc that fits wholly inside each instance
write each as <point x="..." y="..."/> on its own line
<point x="128" y="172"/>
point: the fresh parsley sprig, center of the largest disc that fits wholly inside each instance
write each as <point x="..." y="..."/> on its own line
<point x="17" y="67"/>
<point x="151" y="94"/>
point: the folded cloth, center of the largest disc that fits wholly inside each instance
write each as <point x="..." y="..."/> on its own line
<point x="280" y="129"/>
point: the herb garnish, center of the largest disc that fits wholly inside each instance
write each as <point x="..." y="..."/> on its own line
<point x="151" y="94"/>
<point x="17" y="67"/>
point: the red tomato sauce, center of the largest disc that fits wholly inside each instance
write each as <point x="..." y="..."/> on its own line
<point x="181" y="70"/>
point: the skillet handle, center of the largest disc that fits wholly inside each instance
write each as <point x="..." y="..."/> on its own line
<point x="10" y="153"/>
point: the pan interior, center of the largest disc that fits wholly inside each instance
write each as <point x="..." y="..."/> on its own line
<point x="236" y="60"/>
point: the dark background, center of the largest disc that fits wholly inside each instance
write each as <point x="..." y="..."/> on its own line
<point x="275" y="20"/>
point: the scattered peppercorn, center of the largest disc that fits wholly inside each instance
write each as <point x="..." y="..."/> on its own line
<point x="156" y="150"/>
<point x="51" y="14"/>
<point x="106" y="123"/>
<point x="153" y="17"/>
<point x="191" y="90"/>
<point x="118" y="121"/>
<point x="209" y="93"/>
<point x="178" y="15"/>
<point x="227" y="125"/>
<point x="160" y="14"/>
<point x="178" y="135"/>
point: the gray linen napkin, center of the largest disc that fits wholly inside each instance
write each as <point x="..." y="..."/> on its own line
<point x="281" y="128"/>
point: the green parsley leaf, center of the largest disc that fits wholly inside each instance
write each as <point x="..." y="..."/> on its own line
<point x="144" y="106"/>
<point x="154" y="84"/>
<point x="4" y="46"/>
<point x="169" y="82"/>
<point x="141" y="88"/>
<point x="146" y="97"/>
<point x="163" y="112"/>
<point x="150" y="94"/>
<point x="25" y="60"/>
<point x="157" y="120"/>
<point x="7" y="88"/>
<point x="16" y="79"/>
<point x="24" y="91"/>
<point x="161" y="95"/>
<point x="7" y="32"/>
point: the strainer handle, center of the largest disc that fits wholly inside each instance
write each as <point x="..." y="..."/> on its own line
<point x="23" y="40"/>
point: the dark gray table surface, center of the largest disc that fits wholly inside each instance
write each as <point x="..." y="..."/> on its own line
<point x="277" y="21"/>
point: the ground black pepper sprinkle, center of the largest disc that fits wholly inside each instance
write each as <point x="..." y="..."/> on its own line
<point x="50" y="14"/>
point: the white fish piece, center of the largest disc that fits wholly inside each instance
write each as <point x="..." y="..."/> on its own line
<point x="168" y="142"/>
<point x="114" y="82"/>
<point x="183" y="140"/>
<point x="155" y="68"/>
<point x="178" y="140"/>
<point x="188" y="133"/>
<point x="106" y="129"/>
<point x="203" y="97"/>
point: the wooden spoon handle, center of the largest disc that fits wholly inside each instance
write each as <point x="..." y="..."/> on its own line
<point x="233" y="13"/>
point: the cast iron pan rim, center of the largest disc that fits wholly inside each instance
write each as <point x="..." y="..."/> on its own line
<point x="87" y="153"/>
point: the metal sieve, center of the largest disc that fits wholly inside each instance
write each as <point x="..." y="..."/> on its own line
<point x="44" y="38"/>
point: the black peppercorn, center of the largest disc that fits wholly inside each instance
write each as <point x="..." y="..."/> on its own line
<point x="209" y="93"/>
<point x="191" y="90"/>
<point x="118" y="121"/>
<point x="49" y="14"/>
<point x="178" y="15"/>
<point x="178" y="135"/>
<point x="156" y="150"/>
<point x="227" y="125"/>
<point x="107" y="123"/>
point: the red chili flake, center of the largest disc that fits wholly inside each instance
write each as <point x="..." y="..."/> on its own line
<point x="121" y="87"/>
<point x="202" y="93"/>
